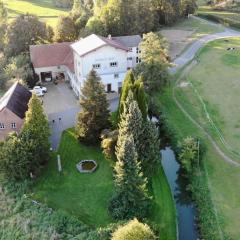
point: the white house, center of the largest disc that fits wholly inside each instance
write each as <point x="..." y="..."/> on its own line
<point x="111" y="58"/>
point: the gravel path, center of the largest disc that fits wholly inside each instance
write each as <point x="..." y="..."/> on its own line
<point x="190" y="53"/>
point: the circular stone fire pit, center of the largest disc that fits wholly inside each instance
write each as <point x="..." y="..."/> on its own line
<point x="86" y="166"/>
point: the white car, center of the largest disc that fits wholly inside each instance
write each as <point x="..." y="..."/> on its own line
<point x="37" y="88"/>
<point x="38" y="92"/>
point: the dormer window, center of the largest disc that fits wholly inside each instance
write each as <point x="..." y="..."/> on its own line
<point x="2" y="126"/>
<point x="96" y="66"/>
<point x="113" y="64"/>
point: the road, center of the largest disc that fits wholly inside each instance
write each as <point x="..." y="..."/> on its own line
<point x="190" y="53"/>
<point x="63" y="120"/>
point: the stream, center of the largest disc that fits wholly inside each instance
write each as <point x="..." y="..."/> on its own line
<point x="186" y="211"/>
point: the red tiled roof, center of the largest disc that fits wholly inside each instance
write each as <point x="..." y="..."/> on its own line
<point x="56" y="54"/>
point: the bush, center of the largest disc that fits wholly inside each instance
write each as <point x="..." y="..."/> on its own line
<point x="108" y="144"/>
<point x="134" y="230"/>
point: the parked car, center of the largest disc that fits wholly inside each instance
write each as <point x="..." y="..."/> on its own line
<point x="38" y="91"/>
<point x="44" y="89"/>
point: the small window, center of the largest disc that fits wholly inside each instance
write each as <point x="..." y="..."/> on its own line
<point x="96" y="66"/>
<point x="116" y="75"/>
<point x="2" y="126"/>
<point x="137" y="50"/>
<point x="130" y="49"/>
<point x="14" y="125"/>
<point x="129" y="58"/>
<point x="79" y="64"/>
<point x="113" y="64"/>
<point x="138" y="60"/>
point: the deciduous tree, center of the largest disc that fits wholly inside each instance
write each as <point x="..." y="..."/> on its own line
<point x="134" y="230"/>
<point x="155" y="62"/>
<point x="65" y="30"/>
<point x="23" y="31"/>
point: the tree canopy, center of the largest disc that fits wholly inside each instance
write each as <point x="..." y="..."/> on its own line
<point x="134" y="230"/>
<point x="23" y="31"/>
<point x="154" y="62"/>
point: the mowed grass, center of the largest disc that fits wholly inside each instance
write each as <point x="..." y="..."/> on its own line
<point x="163" y="212"/>
<point x="218" y="83"/>
<point x="45" y="9"/>
<point x="83" y="195"/>
<point x="86" y="196"/>
<point x="216" y="77"/>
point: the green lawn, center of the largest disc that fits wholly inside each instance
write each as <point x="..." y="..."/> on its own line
<point x="83" y="195"/>
<point x="218" y="89"/>
<point x="86" y="195"/>
<point x="216" y="77"/>
<point x="163" y="212"/>
<point x="45" y="9"/>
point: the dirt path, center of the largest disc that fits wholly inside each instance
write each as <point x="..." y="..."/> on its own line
<point x="215" y="145"/>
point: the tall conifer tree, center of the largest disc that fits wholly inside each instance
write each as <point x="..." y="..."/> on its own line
<point x="94" y="116"/>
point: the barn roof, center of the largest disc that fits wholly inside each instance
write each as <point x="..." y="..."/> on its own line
<point x="47" y="55"/>
<point x="16" y="100"/>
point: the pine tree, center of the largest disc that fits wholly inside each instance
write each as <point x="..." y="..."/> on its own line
<point x="132" y="198"/>
<point x="150" y="149"/>
<point x="35" y="133"/>
<point x="131" y="121"/>
<point x="94" y="116"/>
<point x="137" y="87"/>
<point x="15" y="158"/>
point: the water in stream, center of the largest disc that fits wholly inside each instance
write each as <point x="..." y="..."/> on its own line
<point x="185" y="209"/>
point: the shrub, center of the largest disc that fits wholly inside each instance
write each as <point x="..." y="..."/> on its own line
<point x="134" y="230"/>
<point x="108" y="144"/>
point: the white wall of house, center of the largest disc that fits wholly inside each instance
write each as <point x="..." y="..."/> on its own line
<point x="105" y="56"/>
<point x="54" y="69"/>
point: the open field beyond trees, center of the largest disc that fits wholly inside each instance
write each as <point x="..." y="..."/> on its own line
<point x="217" y="82"/>
<point x="86" y="196"/>
<point x="45" y="9"/>
<point x="182" y="34"/>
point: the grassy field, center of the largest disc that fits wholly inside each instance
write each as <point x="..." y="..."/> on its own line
<point x="218" y="84"/>
<point x="183" y="33"/>
<point x="163" y="212"/>
<point x="83" y="195"/>
<point x="45" y="9"/>
<point x="219" y="90"/>
<point x="86" y="195"/>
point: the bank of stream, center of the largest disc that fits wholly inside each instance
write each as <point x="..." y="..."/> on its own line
<point x="186" y="211"/>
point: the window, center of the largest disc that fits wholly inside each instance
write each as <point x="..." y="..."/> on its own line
<point x="79" y="64"/>
<point x="113" y="64"/>
<point x="96" y="66"/>
<point x="2" y="126"/>
<point x="14" y="125"/>
<point x="130" y="49"/>
<point x="129" y="58"/>
<point x="138" y="60"/>
<point x="138" y="50"/>
<point x="116" y="75"/>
